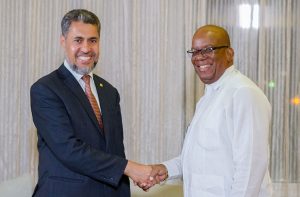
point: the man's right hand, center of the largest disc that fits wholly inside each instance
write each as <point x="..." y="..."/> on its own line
<point x="145" y="176"/>
<point x="139" y="173"/>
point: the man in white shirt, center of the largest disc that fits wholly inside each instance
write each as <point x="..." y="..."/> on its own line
<point x="226" y="150"/>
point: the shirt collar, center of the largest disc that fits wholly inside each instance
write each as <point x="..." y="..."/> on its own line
<point x="217" y="84"/>
<point x="75" y="74"/>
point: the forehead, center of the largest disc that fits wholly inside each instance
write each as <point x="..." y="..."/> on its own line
<point x="78" y="28"/>
<point x="206" y="38"/>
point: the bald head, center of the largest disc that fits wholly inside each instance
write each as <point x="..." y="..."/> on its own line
<point x="219" y="34"/>
<point x="213" y="54"/>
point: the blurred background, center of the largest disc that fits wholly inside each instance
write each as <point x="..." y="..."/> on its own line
<point x="143" y="54"/>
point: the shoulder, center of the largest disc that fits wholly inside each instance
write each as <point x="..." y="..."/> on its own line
<point x="245" y="90"/>
<point x="102" y="83"/>
<point x="238" y="81"/>
<point x="52" y="81"/>
<point x="46" y="80"/>
<point x="106" y="89"/>
<point x="55" y="78"/>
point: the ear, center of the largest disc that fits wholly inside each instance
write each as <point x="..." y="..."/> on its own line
<point x="229" y="54"/>
<point x="62" y="41"/>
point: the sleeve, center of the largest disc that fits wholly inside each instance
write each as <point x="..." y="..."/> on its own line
<point x="251" y="121"/>
<point x="55" y="129"/>
<point x="174" y="168"/>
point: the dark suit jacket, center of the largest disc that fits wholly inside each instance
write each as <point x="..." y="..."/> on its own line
<point x="75" y="158"/>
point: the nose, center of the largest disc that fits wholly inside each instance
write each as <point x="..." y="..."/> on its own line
<point x="85" y="47"/>
<point x="199" y="57"/>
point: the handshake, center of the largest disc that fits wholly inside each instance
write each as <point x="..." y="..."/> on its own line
<point x="145" y="176"/>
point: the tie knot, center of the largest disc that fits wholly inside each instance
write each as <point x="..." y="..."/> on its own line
<point x="86" y="79"/>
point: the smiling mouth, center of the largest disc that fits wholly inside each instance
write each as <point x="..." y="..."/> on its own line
<point x="84" y="58"/>
<point x="204" y="68"/>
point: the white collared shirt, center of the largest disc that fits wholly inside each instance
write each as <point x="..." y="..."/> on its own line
<point x="226" y="150"/>
<point x="78" y="77"/>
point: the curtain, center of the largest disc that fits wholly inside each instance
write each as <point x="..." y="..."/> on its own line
<point x="143" y="54"/>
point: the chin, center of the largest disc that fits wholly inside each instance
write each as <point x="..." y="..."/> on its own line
<point x="206" y="80"/>
<point x="83" y="70"/>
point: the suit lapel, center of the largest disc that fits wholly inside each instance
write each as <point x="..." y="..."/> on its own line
<point x="75" y="87"/>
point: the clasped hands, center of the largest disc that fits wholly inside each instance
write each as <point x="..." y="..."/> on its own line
<point x="145" y="176"/>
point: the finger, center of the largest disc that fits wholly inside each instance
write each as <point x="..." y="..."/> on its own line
<point x="146" y="188"/>
<point x="158" y="179"/>
<point x="143" y="184"/>
<point x="162" y="177"/>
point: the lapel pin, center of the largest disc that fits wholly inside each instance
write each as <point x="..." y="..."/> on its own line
<point x="101" y="85"/>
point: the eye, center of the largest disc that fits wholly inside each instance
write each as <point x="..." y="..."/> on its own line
<point x="208" y="50"/>
<point x="94" y="41"/>
<point x="77" y="40"/>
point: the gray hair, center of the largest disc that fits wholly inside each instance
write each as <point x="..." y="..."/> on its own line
<point x="82" y="15"/>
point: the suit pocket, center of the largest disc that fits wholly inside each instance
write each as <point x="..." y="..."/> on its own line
<point x="65" y="179"/>
<point x="64" y="186"/>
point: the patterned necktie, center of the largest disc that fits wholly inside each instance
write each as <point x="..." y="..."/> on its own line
<point x="92" y="99"/>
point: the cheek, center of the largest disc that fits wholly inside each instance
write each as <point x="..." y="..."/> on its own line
<point x="96" y="50"/>
<point x="217" y="62"/>
<point x="74" y="49"/>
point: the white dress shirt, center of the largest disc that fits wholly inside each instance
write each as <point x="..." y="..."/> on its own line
<point x="226" y="149"/>
<point x="78" y="77"/>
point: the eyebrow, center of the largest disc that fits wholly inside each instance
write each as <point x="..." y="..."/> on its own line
<point x="90" y="38"/>
<point x="208" y="46"/>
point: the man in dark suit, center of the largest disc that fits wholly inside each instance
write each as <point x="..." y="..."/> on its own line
<point x="78" y="120"/>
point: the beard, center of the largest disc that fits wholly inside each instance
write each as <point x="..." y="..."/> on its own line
<point x="83" y="71"/>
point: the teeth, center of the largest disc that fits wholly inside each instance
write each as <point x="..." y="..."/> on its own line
<point x="84" y="58"/>
<point x="204" y="67"/>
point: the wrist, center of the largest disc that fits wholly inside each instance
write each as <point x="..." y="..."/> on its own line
<point x="128" y="168"/>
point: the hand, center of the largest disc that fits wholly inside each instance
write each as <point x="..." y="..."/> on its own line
<point x="139" y="173"/>
<point x="159" y="173"/>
